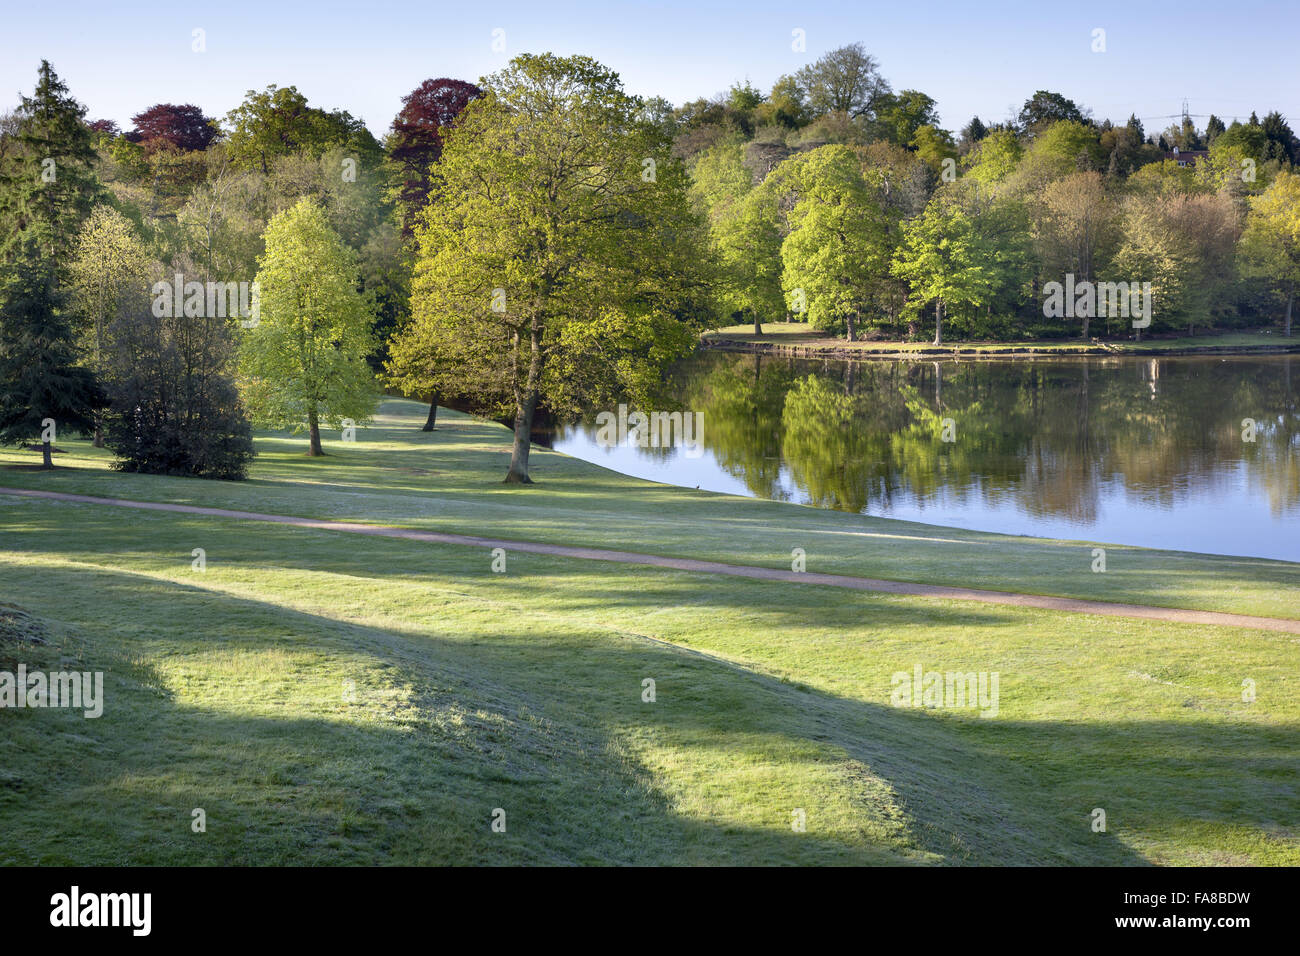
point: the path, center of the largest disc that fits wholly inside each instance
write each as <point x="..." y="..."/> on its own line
<point x="944" y="592"/>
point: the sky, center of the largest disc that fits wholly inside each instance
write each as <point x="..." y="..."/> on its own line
<point x="118" y="56"/>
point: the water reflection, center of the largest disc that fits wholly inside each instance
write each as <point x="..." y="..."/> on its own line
<point x="1127" y="450"/>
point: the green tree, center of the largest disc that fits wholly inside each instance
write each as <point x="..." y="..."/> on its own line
<point x="42" y="379"/>
<point x="784" y="106"/>
<point x="305" y="358"/>
<point x="110" y="276"/>
<point x="1270" y="246"/>
<point x="845" y="81"/>
<point x="995" y="157"/>
<point x="47" y="180"/>
<point x="560" y="260"/>
<point x="1077" y="229"/>
<point x="1045" y="108"/>
<point x="836" y="251"/>
<point x="944" y="259"/>
<point x="934" y="145"/>
<point x="902" y="114"/>
<point x="747" y="240"/>
<point x="278" y="122"/>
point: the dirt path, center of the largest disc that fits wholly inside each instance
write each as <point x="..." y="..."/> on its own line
<point x="1104" y="608"/>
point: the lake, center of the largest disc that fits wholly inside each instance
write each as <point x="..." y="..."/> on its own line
<point x="1187" y="453"/>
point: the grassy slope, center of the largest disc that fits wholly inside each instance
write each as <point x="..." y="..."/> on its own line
<point x="802" y="334"/>
<point x="474" y="690"/>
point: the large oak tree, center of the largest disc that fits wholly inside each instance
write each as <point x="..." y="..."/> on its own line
<point x="559" y="261"/>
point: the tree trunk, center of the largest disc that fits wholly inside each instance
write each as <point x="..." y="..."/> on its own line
<point x="48" y="461"/>
<point x="433" y="415"/>
<point x="851" y="325"/>
<point x="1086" y="319"/>
<point x="758" y="325"/>
<point x="313" y="428"/>
<point x="938" y="321"/>
<point x="525" y="405"/>
<point x="518" y="473"/>
<point x="1290" y="297"/>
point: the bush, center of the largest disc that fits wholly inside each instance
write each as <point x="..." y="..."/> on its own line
<point x="175" y="409"/>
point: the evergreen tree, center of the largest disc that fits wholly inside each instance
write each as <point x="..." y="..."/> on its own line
<point x="47" y="184"/>
<point x="41" y="380"/>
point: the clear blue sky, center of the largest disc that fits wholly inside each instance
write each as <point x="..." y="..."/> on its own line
<point x="1226" y="57"/>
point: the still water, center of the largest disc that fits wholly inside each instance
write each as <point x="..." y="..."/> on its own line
<point x="1125" y="450"/>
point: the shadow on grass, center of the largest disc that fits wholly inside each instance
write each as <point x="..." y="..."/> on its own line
<point x="543" y="728"/>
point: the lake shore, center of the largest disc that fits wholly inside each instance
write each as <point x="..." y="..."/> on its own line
<point x="798" y="340"/>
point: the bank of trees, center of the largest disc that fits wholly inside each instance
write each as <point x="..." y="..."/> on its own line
<point x="971" y="228"/>
<point x="132" y="262"/>
<point x="542" y="240"/>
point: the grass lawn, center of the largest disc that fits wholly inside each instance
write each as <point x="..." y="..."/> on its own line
<point x="801" y="334"/>
<point x="332" y="698"/>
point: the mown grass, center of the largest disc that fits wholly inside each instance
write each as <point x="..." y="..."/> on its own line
<point x="450" y="480"/>
<point x="331" y="698"/>
<point x="804" y="335"/>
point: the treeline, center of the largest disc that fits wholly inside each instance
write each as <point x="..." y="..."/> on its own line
<point x="166" y="287"/>
<point x="835" y="198"/>
<point x="543" y="240"/>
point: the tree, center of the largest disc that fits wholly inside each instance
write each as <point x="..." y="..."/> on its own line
<point x="943" y="258"/>
<point x="1151" y="250"/>
<point x="995" y="157"/>
<point x="743" y="230"/>
<point x="104" y="130"/>
<point x="972" y="133"/>
<point x="784" y="106"/>
<point x="305" y="359"/>
<point x="174" y="409"/>
<point x="744" y="97"/>
<point x="278" y="122"/>
<point x="836" y="250"/>
<point x="110" y="276"/>
<point x="41" y="378"/>
<point x="1064" y="147"/>
<point x="47" y="183"/>
<point x="1283" y="144"/>
<point x="415" y="141"/>
<point x="1045" y="108"/>
<point x="183" y="127"/>
<point x="1270" y="246"/>
<point x="845" y="81"/>
<point x="934" y="145"/>
<point x="901" y="114"/>
<point x="1076" y="228"/>
<point x="747" y="240"/>
<point x="559" y="260"/>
